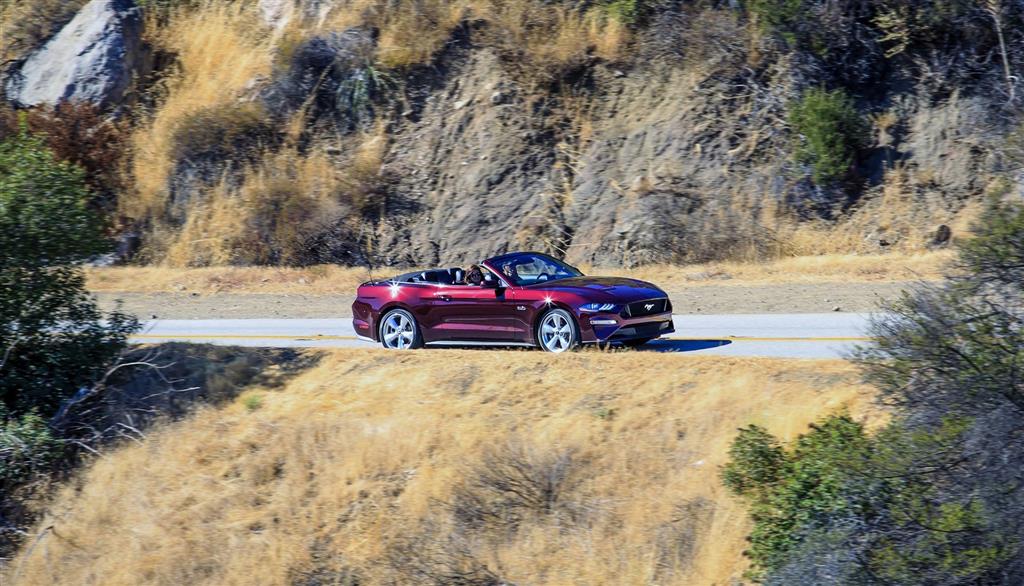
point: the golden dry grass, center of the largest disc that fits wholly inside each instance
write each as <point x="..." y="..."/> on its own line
<point x="329" y="279"/>
<point x="281" y="202"/>
<point x="358" y="454"/>
<point x="219" y="49"/>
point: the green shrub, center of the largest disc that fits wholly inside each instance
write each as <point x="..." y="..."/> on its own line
<point x="791" y="490"/>
<point x="934" y="497"/>
<point x="776" y="15"/>
<point x="27" y="448"/>
<point x="629" y="11"/>
<point x="253" y="402"/>
<point x="830" y="132"/>
<point x="53" y="338"/>
<point x="755" y="461"/>
<point x="44" y="221"/>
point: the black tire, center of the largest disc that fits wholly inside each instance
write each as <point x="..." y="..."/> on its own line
<point x="399" y="331"/>
<point x="557" y="332"/>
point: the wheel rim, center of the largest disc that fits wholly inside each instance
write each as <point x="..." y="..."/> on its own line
<point x="398" y="332"/>
<point x="556" y="332"/>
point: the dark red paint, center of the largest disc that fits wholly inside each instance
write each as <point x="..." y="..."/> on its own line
<point x="507" y="313"/>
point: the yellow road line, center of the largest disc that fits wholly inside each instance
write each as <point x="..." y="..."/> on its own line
<point x="328" y="338"/>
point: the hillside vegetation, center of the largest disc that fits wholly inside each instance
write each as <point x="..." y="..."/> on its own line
<point x="484" y="468"/>
<point x="299" y="132"/>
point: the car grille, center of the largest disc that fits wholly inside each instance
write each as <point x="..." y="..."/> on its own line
<point x="648" y="307"/>
<point x="649" y="330"/>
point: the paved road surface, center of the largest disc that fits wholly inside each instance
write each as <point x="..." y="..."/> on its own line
<point x="826" y="335"/>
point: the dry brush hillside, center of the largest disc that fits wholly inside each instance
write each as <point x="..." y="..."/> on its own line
<point x="610" y="131"/>
<point x="375" y="468"/>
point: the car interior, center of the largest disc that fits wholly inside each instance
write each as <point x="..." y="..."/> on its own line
<point x="452" y="276"/>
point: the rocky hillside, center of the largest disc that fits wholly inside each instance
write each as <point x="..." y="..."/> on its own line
<point x="607" y="131"/>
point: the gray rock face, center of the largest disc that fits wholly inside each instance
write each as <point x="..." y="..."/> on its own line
<point x="278" y="14"/>
<point x="94" y="59"/>
<point x="671" y="172"/>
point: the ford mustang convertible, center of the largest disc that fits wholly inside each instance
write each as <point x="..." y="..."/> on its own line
<point x="518" y="299"/>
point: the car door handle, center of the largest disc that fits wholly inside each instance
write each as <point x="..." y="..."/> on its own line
<point x="444" y="297"/>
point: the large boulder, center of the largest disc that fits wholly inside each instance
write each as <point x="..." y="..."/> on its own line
<point x="94" y="59"/>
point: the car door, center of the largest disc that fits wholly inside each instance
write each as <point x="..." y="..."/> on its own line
<point x="472" y="313"/>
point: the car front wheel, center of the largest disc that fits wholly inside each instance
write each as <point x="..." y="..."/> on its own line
<point x="399" y="331"/>
<point x="557" y="331"/>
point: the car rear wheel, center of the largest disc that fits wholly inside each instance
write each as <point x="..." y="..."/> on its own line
<point x="399" y="331"/>
<point x="557" y="331"/>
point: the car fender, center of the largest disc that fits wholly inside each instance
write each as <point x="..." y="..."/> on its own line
<point x="554" y="305"/>
<point x="384" y="309"/>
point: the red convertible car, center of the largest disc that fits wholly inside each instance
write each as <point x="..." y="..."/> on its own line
<point x="518" y="299"/>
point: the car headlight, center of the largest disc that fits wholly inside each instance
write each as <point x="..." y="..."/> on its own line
<point x="596" y="307"/>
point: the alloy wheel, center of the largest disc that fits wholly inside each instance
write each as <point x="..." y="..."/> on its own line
<point x="556" y="332"/>
<point x="398" y="331"/>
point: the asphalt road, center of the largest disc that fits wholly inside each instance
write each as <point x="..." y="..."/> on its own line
<point x="825" y="335"/>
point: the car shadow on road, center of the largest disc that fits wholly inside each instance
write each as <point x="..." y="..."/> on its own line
<point x="652" y="346"/>
<point x="682" y="345"/>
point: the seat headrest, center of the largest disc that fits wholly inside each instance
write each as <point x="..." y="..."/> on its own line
<point x="437" y="276"/>
<point x="457" y="275"/>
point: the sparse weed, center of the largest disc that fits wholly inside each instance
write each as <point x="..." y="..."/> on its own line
<point x="253" y="402"/>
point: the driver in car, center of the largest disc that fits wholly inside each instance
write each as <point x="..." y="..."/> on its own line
<point x="510" y="272"/>
<point x="475" y="276"/>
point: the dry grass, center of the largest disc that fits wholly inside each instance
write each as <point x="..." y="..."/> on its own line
<point x="350" y="465"/>
<point x="545" y="41"/>
<point x="826" y="268"/>
<point x="904" y="213"/>
<point x="220" y="48"/>
<point x="280" y="202"/>
<point x="26" y="25"/>
<point x="329" y="279"/>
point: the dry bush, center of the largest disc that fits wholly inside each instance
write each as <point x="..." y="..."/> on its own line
<point x="539" y="38"/>
<point x="414" y="32"/>
<point x="543" y="43"/>
<point x="221" y="132"/>
<point x="27" y="24"/>
<point x="220" y="48"/>
<point x="438" y="555"/>
<point x="282" y="205"/>
<point x="903" y="215"/>
<point x="515" y="483"/>
<point x="81" y="134"/>
<point x="348" y="461"/>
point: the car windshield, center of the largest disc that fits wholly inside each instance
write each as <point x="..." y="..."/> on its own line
<point x="529" y="268"/>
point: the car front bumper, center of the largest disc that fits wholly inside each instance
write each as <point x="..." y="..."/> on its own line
<point x="611" y="327"/>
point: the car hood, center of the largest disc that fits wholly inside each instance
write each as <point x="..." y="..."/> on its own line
<point x="606" y="289"/>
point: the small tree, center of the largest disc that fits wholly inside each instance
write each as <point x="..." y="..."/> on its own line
<point x="935" y="497"/>
<point x="792" y="491"/>
<point x="53" y="338"/>
<point x="830" y="133"/>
